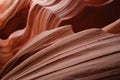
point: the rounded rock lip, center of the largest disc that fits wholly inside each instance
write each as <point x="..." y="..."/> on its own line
<point x="96" y="3"/>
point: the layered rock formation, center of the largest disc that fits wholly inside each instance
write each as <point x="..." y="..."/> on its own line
<point x="47" y="40"/>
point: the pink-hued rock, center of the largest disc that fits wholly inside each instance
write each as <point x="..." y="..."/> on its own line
<point x="59" y="39"/>
<point x="113" y="27"/>
<point x="60" y="54"/>
<point x="97" y="2"/>
<point x="13" y="15"/>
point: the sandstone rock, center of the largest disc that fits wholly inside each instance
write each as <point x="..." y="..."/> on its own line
<point x="59" y="39"/>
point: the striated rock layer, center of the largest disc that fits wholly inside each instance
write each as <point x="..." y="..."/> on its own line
<point x="60" y="54"/>
<point x="52" y="39"/>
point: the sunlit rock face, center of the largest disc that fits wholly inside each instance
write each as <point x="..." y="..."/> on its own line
<point x="59" y="39"/>
<point x="13" y="16"/>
